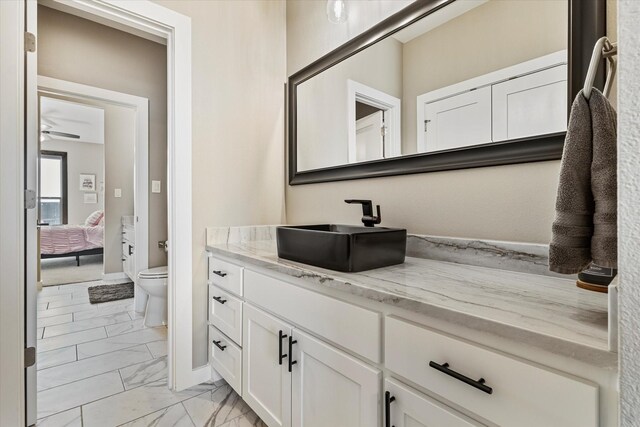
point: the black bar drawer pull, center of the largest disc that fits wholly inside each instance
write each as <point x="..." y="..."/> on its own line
<point x="387" y="408"/>
<point x="219" y="273"/>
<point x="291" y="361"/>
<point x="480" y="384"/>
<point x="281" y="357"/>
<point x="220" y="300"/>
<point x="217" y="344"/>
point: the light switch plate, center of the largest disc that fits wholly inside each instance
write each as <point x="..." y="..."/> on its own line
<point x="155" y="186"/>
<point x="117" y="192"/>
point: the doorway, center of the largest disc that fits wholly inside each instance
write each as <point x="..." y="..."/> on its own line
<point x="71" y="213"/>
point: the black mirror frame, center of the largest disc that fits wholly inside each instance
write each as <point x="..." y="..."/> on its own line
<point x="587" y="23"/>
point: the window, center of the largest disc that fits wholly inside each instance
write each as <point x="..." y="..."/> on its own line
<point x="53" y="187"/>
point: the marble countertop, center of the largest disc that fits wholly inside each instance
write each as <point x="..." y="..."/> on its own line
<point x="544" y="311"/>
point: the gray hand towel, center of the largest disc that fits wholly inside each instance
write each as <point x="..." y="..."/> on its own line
<point x="585" y="226"/>
<point x="604" y="184"/>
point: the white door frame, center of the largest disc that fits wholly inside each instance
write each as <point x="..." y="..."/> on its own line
<point x="48" y="85"/>
<point x="12" y="183"/>
<point x="149" y="19"/>
<point x="392" y="114"/>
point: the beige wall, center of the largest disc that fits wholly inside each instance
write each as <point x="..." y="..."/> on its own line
<point x="238" y="50"/>
<point x="82" y="157"/>
<point x="473" y="44"/>
<point x="119" y="142"/>
<point x="81" y="51"/>
<point x="323" y="102"/>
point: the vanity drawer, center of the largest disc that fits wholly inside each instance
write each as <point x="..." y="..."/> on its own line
<point x="352" y="327"/>
<point x="225" y="313"/>
<point x="226" y="358"/>
<point x="522" y="394"/>
<point x="225" y="275"/>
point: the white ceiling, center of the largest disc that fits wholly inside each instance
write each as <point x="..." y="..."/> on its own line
<point x="437" y="18"/>
<point x="72" y="117"/>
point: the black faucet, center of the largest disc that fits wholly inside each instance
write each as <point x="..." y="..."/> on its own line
<point x="368" y="219"/>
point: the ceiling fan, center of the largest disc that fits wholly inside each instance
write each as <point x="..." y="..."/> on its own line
<point x="46" y="133"/>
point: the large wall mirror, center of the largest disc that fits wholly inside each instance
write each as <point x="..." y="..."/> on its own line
<point x="443" y="85"/>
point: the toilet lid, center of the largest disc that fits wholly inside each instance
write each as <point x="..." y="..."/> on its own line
<point x="154" y="273"/>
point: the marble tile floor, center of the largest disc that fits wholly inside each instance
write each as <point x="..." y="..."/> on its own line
<point x="98" y="365"/>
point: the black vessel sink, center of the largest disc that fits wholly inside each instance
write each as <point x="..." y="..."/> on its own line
<point x="342" y="247"/>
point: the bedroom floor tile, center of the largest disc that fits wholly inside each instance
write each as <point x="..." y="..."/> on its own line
<point x="143" y="373"/>
<point x="158" y="348"/>
<point x="85" y="368"/>
<point x="81" y="325"/>
<point x="48" y="359"/>
<point x="68" y="396"/>
<point x="125" y="327"/>
<point x="55" y="320"/>
<point x="66" y="303"/>
<point x="102" y="310"/>
<point x="173" y="416"/>
<point x="86" y="378"/>
<point x="70" y="418"/>
<point x="120" y="341"/>
<point x="66" y="340"/>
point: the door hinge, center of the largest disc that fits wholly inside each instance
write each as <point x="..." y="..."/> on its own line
<point x="29" y="42"/>
<point x="383" y="130"/>
<point x="29" y="357"/>
<point x="29" y="199"/>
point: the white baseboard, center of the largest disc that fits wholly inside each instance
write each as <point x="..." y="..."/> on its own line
<point x="114" y="276"/>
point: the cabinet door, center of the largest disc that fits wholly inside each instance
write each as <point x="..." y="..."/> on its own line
<point x="266" y="382"/>
<point x="331" y="388"/>
<point x="534" y="104"/>
<point x="409" y="408"/>
<point x="458" y="121"/>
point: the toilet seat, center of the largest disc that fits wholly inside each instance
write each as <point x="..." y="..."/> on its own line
<point x="154" y="273"/>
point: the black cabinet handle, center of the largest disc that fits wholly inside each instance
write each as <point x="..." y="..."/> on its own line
<point x="130" y="250"/>
<point x="220" y="300"/>
<point x="387" y="408"/>
<point x="219" y="273"/>
<point x="217" y="344"/>
<point x="479" y="384"/>
<point x="281" y="336"/>
<point x="291" y="361"/>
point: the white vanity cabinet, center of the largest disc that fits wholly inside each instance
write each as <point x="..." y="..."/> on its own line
<point x="293" y="379"/>
<point x="406" y="407"/>
<point x="302" y="358"/>
<point x="267" y="381"/>
<point x="128" y="251"/>
<point x="331" y="388"/>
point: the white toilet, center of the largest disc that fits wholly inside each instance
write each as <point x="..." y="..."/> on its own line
<point x="153" y="282"/>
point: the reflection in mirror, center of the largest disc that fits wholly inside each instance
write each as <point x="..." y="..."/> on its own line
<point x="474" y="72"/>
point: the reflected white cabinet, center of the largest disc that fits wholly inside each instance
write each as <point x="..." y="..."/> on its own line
<point x="535" y="104"/>
<point x="526" y="99"/>
<point x="266" y="381"/>
<point x="408" y="408"/>
<point x="458" y="121"/>
<point x="331" y="388"/>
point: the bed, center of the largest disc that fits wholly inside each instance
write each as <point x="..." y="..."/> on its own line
<point x="60" y="241"/>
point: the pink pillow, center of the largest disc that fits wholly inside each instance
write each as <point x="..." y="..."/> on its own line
<point x="94" y="219"/>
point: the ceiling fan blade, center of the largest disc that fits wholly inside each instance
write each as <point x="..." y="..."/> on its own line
<point x="63" y="134"/>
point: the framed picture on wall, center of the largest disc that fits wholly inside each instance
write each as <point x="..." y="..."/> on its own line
<point x="87" y="182"/>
